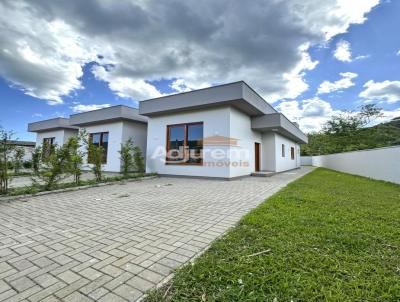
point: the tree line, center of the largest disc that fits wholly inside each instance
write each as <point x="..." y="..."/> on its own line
<point x="349" y="131"/>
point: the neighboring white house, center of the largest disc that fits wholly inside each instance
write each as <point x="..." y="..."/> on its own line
<point x="108" y="127"/>
<point x="25" y="145"/>
<point x="223" y="131"/>
<point x="54" y="131"/>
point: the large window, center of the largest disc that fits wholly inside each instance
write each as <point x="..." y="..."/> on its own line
<point x="101" y="140"/>
<point x="185" y="144"/>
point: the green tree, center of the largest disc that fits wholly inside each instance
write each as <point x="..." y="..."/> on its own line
<point x="127" y="153"/>
<point x="74" y="157"/>
<point x="6" y="150"/>
<point x="138" y="159"/>
<point x="36" y="159"/>
<point x="54" y="168"/>
<point x="19" y="154"/>
<point x="96" y="158"/>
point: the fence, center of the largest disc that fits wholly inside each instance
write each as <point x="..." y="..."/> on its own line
<point x="380" y="163"/>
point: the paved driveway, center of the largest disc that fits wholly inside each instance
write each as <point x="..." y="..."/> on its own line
<point x="113" y="243"/>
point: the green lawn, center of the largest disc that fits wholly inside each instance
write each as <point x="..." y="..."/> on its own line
<point x="328" y="236"/>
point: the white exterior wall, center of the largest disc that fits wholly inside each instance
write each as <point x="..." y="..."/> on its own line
<point x="306" y="160"/>
<point x="268" y="152"/>
<point x="240" y="128"/>
<point x="137" y="132"/>
<point x="286" y="163"/>
<point x="61" y="136"/>
<point x="224" y="121"/>
<point x="114" y="144"/>
<point x="381" y="163"/>
<point x="216" y="122"/>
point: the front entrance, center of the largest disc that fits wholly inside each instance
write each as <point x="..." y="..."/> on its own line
<point x="257" y="156"/>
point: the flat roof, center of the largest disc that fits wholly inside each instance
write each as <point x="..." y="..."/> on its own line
<point x="50" y="124"/>
<point x="106" y="115"/>
<point x="277" y="122"/>
<point x="237" y="94"/>
<point x="21" y="143"/>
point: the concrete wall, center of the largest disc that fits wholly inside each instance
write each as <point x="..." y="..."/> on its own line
<point x="240" y="128"/>
<point x="114" y="144"/>
<point x="286" y="162"/>
<point x="137" y="132"/>
<point x="237" y="161"/>
<point x="381" y="163"/>
<point x="216" y="122"/>
<point x="268" y="150"/>
<point x="306" y="160"/>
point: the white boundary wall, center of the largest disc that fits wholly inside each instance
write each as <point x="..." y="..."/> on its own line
<point x="380" y="163"/>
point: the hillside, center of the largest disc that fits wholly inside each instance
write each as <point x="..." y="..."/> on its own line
<point x="382" y="135"/>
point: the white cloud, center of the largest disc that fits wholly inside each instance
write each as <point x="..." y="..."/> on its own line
<point x="83" y="108"/>
<point x="45" y="44"/>
<point x="311" y="114"/>
<point x="387" y="91"/>
<point x="343" y="83"/>
<point x="343" y="51"/>
<point x="398" y="53"/>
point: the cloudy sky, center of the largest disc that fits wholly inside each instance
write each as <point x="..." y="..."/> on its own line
<point x="309" y="58"/>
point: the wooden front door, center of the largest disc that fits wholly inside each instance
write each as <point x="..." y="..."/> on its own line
<point x="257" y="156"/>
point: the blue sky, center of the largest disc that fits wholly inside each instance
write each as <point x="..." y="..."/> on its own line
<point x="130" y="58"/>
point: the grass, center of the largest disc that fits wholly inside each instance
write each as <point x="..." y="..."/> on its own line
<point x="65" y="185"/>
<point x="328" y="236"/>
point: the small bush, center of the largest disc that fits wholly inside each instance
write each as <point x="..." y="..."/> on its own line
<point x="138" y="159"/>
<point x="127" y="153"/>
<point x="27" y="164"/>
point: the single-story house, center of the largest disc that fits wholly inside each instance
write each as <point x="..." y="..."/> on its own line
<point x="25" y="145"/>
<point x="223" y="131"/>
<point x="110" y="127"/>
<point x="54" y="131"/>
<point x="107" y="127"/>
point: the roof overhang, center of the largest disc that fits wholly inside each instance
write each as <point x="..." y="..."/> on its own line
<point x="107" y="115"/>
<point x="237" y="94"/>
<point x="49" y="125"/>
<point x="277" y="122"/>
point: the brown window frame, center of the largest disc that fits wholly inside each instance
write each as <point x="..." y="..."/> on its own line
<point x="185" y="144"/>
<point x="283" y="150"/>
<point x="101" y="141"/>
<point x="292" y="156"/>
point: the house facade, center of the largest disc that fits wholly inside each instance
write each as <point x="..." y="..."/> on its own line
<point x="224" y="131"/>
<point x="108" y="127"/>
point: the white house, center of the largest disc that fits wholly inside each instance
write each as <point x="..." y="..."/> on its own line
<point x="108" y="127"/>
<point x="223" y="131"/>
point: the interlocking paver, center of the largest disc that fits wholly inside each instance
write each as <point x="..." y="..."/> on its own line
<point x="91" y="245"/>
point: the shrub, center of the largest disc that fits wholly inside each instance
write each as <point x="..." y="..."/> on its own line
<point x="5" y="153"/>
<point x="53" y="168"/>
<point x="96" y="157"/>
<point x="18" y="157"/>
<point x="127" y="154"/>
<point x="27" y="164"/>
<point x="138" y="159"/>
<point x="36" y="159"/>
<point x="74" y="157"/>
